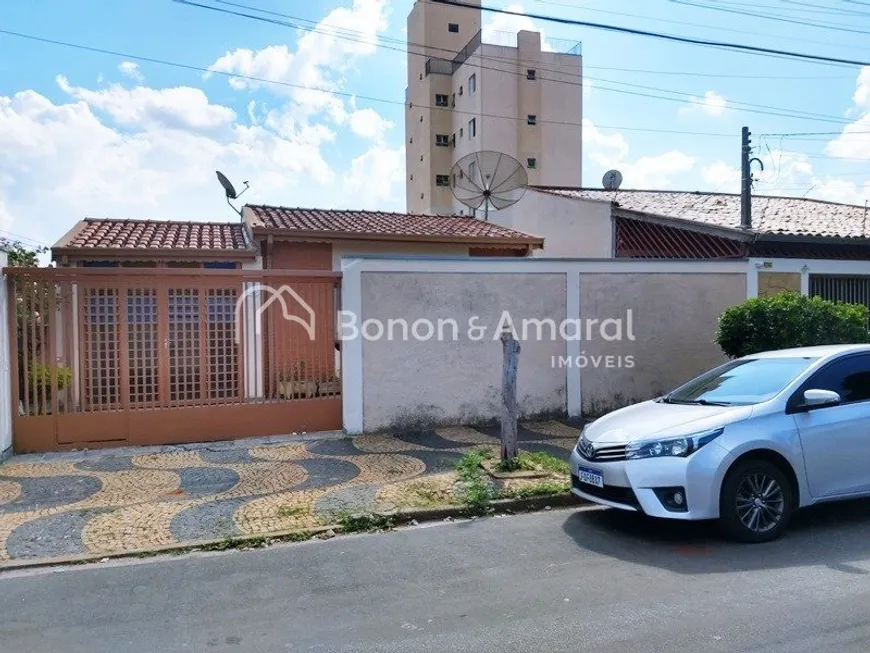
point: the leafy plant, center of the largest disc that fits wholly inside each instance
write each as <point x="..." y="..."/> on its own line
<point x="475" y="489"/>
<point x="542" y="489"/>
<point x="40" y="375"/>
<point x="789" y="320"/>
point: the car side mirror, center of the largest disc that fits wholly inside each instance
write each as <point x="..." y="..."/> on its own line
<point x="820" y="398"/>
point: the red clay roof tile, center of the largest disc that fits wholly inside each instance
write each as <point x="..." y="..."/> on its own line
<point x="157" y="235"/>
<point x="380" y="223"/>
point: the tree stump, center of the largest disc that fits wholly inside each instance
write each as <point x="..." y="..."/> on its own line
<point x="509" y="417"/>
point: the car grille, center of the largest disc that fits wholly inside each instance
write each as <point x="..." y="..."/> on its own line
<point x="623" y="495"/>
<point x="604" y="454"/>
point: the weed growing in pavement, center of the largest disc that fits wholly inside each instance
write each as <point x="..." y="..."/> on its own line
<point x="533" y="461"/>
<point x="362" y="522"/>
<point x="475" y="489"/>
<point x="542" y="489"/>
<point x="290" y="511"/>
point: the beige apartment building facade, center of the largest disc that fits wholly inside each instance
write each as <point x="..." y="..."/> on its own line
<point x="470" y="89"/>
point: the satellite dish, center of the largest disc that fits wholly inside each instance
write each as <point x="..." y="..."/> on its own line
<point x="612" y="180"/>
<point x="230" y="190"/>
<point x="488" y="179"/>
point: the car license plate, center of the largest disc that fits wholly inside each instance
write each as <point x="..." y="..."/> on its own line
<point x="590" y="477"/>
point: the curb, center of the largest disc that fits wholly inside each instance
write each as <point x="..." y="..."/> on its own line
<point x="402" y="515"/>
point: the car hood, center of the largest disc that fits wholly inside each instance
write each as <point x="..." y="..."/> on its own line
<point x="652" y="419"/>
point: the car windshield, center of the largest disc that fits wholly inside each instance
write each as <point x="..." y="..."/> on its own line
<point x="741" y="382"/>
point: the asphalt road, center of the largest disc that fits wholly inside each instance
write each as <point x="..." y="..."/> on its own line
<point x="550" y="582"/>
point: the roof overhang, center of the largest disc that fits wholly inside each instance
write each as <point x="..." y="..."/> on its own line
<point x="683" y="223"/>
<point x="532" y="242"/>
<point x="811" y="240"/>
<point x="128" y="254"/>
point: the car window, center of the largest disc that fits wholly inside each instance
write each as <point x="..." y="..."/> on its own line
<point x="849" y="377"/>
<point x="742" y="382"/>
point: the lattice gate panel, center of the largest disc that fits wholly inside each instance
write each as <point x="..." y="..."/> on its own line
<point x="100" y="355"/>
<point x="223" y="368"/>
<point x="184" y="344"/>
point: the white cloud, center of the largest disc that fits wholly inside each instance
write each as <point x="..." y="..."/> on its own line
<point x="656" y="171"/>
<point x="368" y="123"/>
<point x="854" y="141"/>
<point x="606" y="150"/>
<point x="177" y="108"/>
<point x="131" y="69"/>
<point x="502" y="28"/>
<point x="862" y="90"/>
<point x="376" y="176"/>
<point x="721" y="177"/>
<point x="315" y="70"/>
<point x="712" y="104"/>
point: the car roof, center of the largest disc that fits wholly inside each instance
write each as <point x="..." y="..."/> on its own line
<point x="818" y="351"/>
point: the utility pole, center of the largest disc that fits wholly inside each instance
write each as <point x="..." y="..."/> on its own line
<point x="746" y="161"/>
<point x="745" y="182"/>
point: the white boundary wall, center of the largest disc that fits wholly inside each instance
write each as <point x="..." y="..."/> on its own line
<point x="571" y="270"/>
<point x="6" y="407"/>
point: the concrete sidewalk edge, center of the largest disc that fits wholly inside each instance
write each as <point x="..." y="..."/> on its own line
<point x="403" y="515"/>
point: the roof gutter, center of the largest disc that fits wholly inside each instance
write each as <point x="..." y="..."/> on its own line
<point x="496" y="241"/>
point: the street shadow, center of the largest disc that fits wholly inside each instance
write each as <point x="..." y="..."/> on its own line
<point x="835" y="535"/>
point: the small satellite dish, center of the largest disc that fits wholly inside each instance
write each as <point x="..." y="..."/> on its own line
<point x="230" y="190"/>
<point x="487" y="179"/>
<point x="612" y="180"/>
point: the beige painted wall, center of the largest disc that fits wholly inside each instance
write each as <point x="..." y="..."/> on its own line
<point x="773" y="283"/>
<point x="674" y="322"/>
<point x="413" y="383"/>
<point x="570" y="228"/>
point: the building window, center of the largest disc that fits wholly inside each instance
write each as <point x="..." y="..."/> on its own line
<point x="412" y="177"/>
<point x="460" y="132"/>
<point x="531" y="73"/>
<point x="442" y="140"/>
<point x="532" y="119"/>
<point x="412" y="140"/>
<point x="421" y="157"/>
<point x="441" y="100"/>
<point x="460" y="90"/>
<point x="442" y="180"/>
<point x="531" y="163"/>
<point x="472" y="128"/>
<point x="472" y="84"/>
<point x="453" y="100"/>
<point x="421" y="195"/>
<point x="453" y="140"/>
<point x="421" y="118"/>
<point x="453" y="27"/>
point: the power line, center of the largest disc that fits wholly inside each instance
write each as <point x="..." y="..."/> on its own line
<point x="660" y="35"/>
<point x="817" y="24"/>
<point x="690" y="24"/>
<point x="263" y="80"/>
<point x="692" y="98"/>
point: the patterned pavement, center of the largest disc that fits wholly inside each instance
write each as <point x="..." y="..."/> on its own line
<point x="104" y="502"/>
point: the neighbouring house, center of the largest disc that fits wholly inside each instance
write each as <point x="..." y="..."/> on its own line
<point x="107" y="243"/>
<point x="812" y="246"/>
<point x="275" y="237"/>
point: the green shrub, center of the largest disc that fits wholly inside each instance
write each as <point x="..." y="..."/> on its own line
<point x="40" y="375"/>
<point x="789" y="320"/>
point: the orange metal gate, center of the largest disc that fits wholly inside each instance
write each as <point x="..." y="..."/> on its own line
<point x="104" y="357"/>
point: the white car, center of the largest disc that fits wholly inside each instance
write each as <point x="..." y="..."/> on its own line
<point x="746" y="443"/>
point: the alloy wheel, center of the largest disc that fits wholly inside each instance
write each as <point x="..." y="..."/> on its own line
<point x="760" y="502"/>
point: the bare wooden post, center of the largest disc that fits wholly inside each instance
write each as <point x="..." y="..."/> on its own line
<point x="511" y="352"/>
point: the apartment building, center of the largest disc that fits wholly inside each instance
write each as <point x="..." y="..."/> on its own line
<point x="472" y="89"/>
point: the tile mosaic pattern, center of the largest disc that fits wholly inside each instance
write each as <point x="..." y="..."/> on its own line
<point x="107" y="503"/>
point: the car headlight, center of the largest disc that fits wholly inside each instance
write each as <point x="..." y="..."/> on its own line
<point x="680" y="447"/>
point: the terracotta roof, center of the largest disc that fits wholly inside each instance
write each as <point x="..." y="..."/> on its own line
<point x="791" y="216"/>
<point x="380" y="225"/>
<point x="139" y="235"/>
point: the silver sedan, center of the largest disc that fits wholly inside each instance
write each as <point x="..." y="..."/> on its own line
<point x="746" y="443"/>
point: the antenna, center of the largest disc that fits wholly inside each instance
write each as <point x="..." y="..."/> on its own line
<point x="487" y="179"/>
<point x="612" y="180"/>
<point x="230" y="190"/>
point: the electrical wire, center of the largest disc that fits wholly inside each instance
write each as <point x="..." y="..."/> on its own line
<point x="263" y="80"/>
<point x="689" y="98"/>
<point x="737" y="47"/>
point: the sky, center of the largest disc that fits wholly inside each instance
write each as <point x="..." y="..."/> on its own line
<point x="135" y="124"/>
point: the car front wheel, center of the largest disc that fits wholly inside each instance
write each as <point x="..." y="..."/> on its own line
<point x="756" y="502"/>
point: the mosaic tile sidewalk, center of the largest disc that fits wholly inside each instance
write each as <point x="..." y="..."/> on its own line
<point x="109" y="502"/>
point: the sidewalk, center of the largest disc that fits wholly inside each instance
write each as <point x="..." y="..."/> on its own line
<point x="102" y="502"/>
